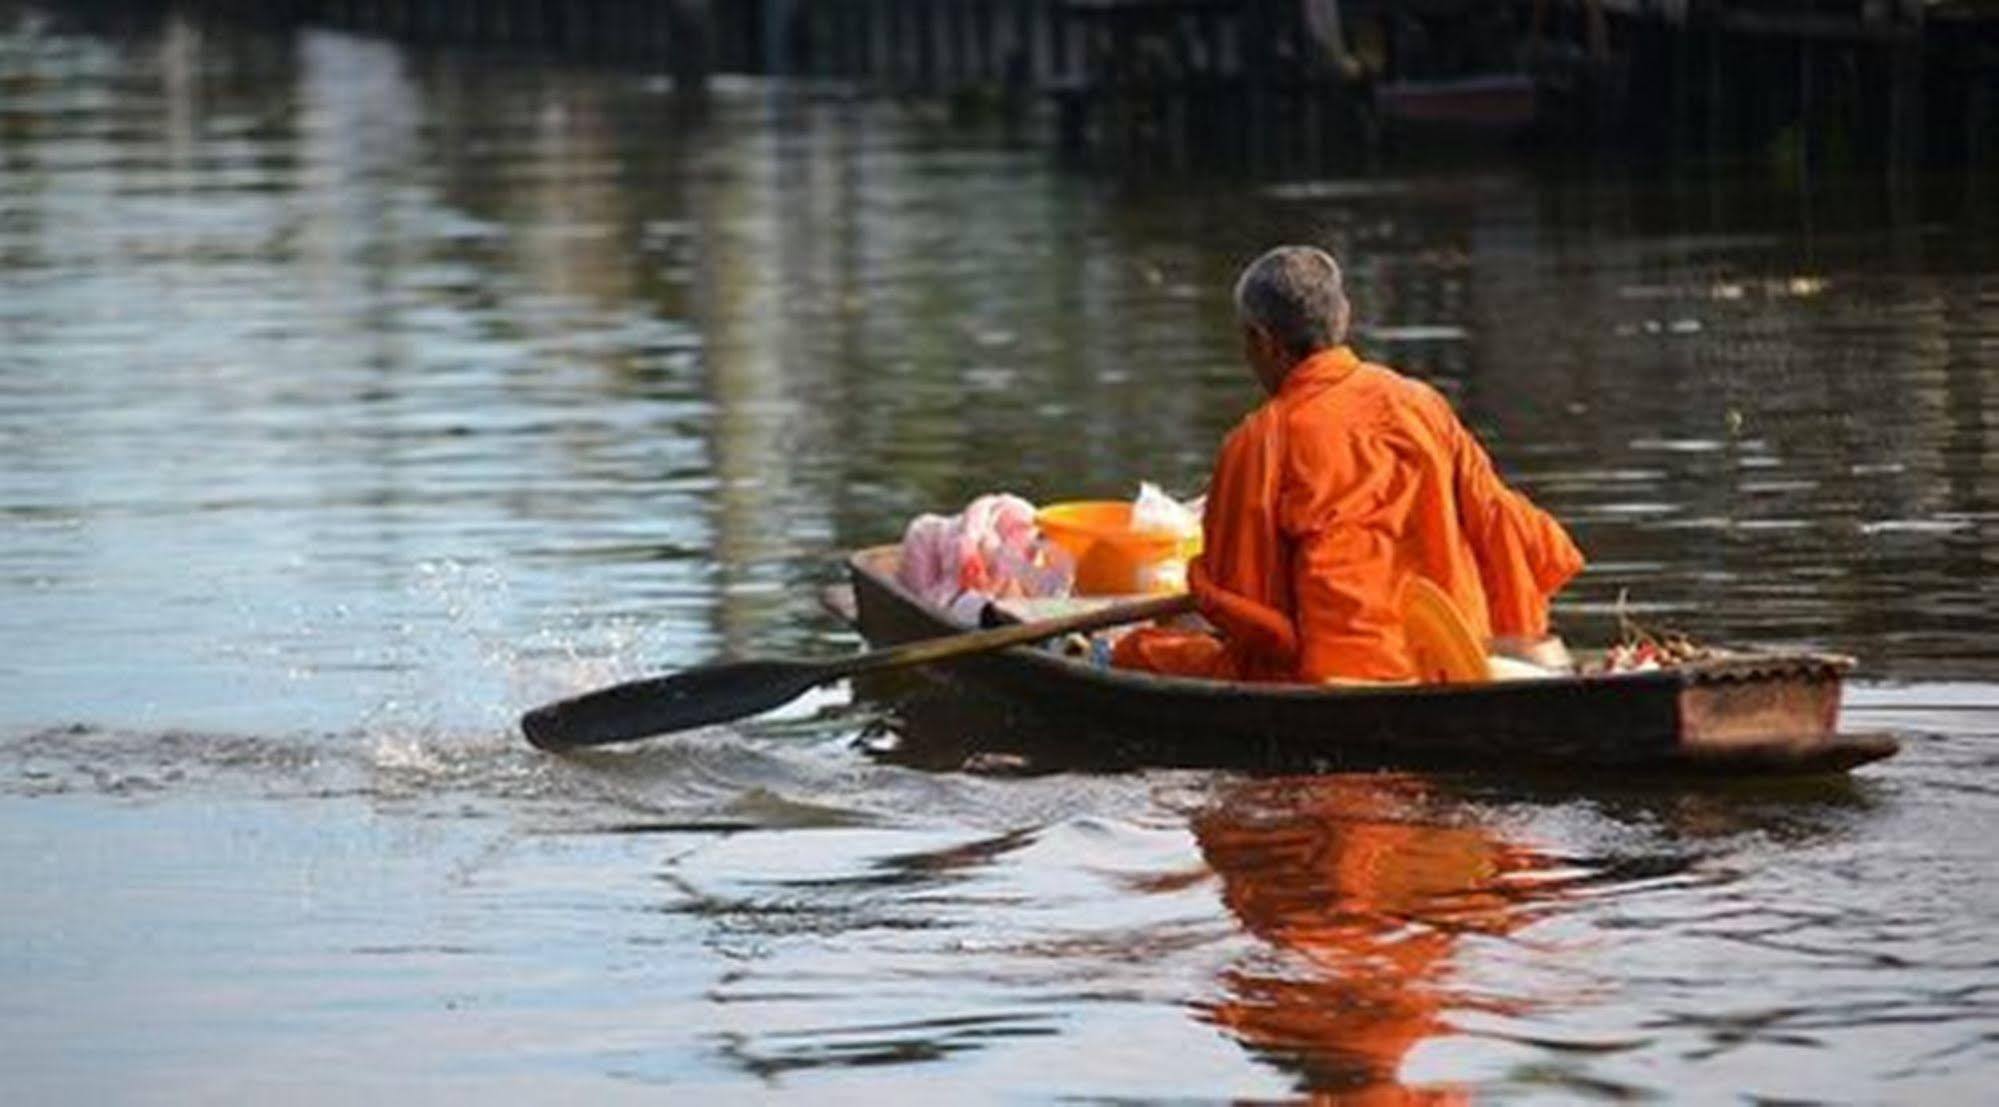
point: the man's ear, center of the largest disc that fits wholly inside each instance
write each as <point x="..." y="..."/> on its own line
<point x="1265" y="356"/>
<point x="1259" y="339"/>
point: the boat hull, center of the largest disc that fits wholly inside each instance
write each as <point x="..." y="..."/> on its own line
<point x="1763" y="713"/>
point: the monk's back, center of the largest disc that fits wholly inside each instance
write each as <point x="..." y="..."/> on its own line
<point x="1369" y="497"/>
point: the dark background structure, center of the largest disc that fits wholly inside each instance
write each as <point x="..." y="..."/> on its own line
<point x="1268" y="85"/>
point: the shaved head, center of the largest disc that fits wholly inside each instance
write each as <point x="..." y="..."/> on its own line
<point x="1295" y="295"/>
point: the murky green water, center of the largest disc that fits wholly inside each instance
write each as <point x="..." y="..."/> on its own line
<point x="352" y="399"/>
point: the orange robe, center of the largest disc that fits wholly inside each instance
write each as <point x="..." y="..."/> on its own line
<point x="1323" y="502"/>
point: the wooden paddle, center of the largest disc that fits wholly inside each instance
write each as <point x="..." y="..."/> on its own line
<point x="732" y="690"/>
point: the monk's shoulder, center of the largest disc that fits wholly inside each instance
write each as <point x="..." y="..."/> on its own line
<point x="1256" y="424"/>
<point x="1374" y="406"/>
<point x="1360" y="406"/>
<point x="1418" y="398"/>
<point x="1251" y="431"/>
<point x="1400" y="387"/>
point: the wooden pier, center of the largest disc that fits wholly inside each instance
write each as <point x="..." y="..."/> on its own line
<point x="1283" y="85"/>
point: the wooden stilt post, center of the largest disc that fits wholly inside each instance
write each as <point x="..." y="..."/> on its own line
<point x="1713" y="108"/>
<point x="1256" y="80"/>
<point x="926" y="45"/>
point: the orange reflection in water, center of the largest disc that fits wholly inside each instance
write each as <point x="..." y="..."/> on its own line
<point x="1365" y="892"/>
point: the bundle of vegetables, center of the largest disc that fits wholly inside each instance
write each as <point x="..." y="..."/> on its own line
<point x="1640" y="648"/>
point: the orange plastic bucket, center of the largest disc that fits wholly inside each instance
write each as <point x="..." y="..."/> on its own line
<point x="1111" y="558"/>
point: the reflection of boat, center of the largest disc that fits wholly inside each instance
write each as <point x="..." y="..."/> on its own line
<point x="1364" y="895"/>
<point x="1748" y="713"/>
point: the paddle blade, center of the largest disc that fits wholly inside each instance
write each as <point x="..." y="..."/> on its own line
<point x="661" y="705"/>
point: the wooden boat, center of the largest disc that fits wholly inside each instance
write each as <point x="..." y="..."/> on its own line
<point x="1742" y="714"/>
<point x="1491" y="101"/>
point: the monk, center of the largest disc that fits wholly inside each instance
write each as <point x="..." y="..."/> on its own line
<point x="1329" y="497"/>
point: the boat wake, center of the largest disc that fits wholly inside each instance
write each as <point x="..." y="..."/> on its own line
<point x="782" y="774"/>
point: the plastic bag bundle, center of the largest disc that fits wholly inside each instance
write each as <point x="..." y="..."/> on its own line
<point x="991" y="550"/>
<point x="1156" y="512"/>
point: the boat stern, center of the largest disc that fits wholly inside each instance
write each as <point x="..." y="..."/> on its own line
<point x="1775" y="711"/>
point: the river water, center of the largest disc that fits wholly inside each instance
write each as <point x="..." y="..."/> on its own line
<point x="354" y="398"/>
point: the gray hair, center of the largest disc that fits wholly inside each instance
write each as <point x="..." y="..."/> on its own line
<point x="1296" y="294"/>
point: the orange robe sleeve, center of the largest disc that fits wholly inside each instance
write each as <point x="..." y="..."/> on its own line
<point x="1241" y="581"/>
<point x="1524" y="555"/>
<point x="1242" y="578"/>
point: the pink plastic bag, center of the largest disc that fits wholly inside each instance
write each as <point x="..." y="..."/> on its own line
<point x="930" y="559"/>
<point x="991" y="550"/>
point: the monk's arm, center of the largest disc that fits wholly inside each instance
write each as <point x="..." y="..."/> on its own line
<point x="1524" y="555"/>
<point x="1238" y="576"/>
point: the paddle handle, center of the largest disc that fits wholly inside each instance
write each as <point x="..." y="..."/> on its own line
<point x="930" y="650"/>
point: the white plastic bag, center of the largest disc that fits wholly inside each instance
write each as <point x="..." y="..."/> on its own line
<point x="1156" y="512"/>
